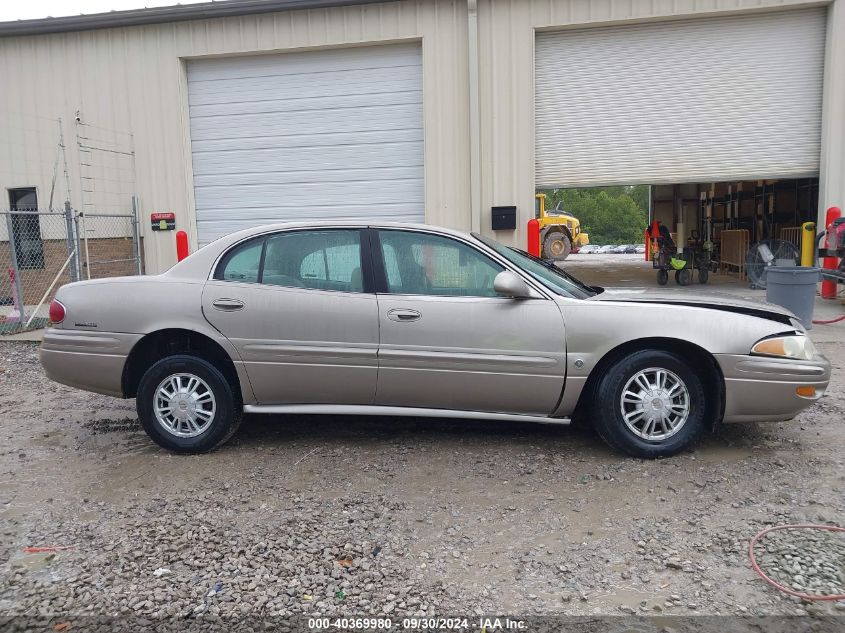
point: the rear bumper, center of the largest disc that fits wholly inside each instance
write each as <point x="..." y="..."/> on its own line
<point x="92" y="361"/>
<point x="764" y="389"/>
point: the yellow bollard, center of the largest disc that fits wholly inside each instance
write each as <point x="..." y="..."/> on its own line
<point x="808" y="243"/>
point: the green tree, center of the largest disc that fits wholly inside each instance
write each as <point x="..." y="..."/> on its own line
<point x="611" y="215"/>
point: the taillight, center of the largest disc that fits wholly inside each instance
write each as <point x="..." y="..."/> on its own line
<point x="57" y="312"/>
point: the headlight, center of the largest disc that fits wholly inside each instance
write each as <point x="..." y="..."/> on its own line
<point x="799" y="347"/>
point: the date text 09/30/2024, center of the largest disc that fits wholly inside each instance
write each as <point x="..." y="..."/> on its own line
<point x="481" y="624"/>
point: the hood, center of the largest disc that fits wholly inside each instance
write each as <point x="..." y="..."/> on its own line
<point x="712" y="301"/>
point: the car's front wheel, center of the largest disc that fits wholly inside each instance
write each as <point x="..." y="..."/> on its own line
<point x="186" y="405"/>
<point x="650" y="404"/>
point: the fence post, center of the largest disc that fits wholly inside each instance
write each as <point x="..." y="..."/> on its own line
<point x="136" y="237"/>
<point x="71" y="243"/>
<point x="19" y="301"/>
<point x="78" y="241"/>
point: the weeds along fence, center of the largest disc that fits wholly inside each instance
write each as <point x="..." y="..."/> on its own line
<point x="42" y="250"/>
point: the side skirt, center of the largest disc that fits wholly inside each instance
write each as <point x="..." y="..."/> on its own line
<point x="341" y="409"/>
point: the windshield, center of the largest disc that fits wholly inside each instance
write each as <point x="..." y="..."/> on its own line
<point x="546" y="273"/>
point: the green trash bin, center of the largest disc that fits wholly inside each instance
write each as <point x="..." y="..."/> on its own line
<point x="794" y="288"/>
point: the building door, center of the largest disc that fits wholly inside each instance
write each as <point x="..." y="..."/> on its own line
<point x="703" y="100"/>
<point x="320" y="135"/>
<point x="26" y="228"/>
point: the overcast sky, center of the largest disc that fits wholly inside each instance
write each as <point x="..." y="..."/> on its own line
<point x="29" y="9"/>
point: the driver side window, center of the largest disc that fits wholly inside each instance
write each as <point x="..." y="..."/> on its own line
<point x="425" y="264"/>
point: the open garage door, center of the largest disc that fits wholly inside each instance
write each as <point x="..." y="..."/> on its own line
<point x="716" y="99"/>
<point x="332" y="134"/>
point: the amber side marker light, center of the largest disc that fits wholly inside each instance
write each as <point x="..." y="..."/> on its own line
<point x="806" y="392"/>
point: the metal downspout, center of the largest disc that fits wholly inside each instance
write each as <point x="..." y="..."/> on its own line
<point x="474" y="117"/>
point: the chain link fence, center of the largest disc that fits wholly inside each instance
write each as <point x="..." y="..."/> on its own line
<point x="42" y="250"/>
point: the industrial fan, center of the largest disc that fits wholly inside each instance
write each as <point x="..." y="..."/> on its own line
<point x="765" y="254"/>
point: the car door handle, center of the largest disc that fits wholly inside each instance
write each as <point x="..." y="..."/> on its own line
<point x="228" y="305"/>
<point x="403" y="315"/>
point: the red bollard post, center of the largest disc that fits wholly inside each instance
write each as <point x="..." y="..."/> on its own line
<point x="830" y="263"/>
<point x="534" y="237"/>
<point x="181" y="245"/>
<point x="647" y="242"/>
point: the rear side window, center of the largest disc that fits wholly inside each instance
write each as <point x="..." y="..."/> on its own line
<point x="325" y="259"/>
<point x="322" y="260"/>
<point x="242" y="263"/>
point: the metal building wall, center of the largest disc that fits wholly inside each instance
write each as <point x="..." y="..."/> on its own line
<point x="133" y="80"/>
<point x="506" y="35"/>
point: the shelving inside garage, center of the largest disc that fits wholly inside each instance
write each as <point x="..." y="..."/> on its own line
<point x="765" y="208"/>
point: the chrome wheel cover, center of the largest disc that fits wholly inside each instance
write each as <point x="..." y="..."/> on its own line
<point x="655" y="404"/>
<point x="184" y="405"/>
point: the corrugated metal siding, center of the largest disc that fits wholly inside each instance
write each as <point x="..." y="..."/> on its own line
<point x="507" y="31"/>
<point x="728" y="98"/>
<point x="133" y="79"/>
<point x="294" y="136"/>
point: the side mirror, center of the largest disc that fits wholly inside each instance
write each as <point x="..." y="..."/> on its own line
<point x="508" y="284"/>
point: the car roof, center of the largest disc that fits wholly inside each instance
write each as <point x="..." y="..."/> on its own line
<point x="199" y="263"/>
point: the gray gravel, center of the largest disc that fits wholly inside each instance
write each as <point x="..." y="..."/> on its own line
<point x="808" y="561"/>
<point x="351" y="516"/>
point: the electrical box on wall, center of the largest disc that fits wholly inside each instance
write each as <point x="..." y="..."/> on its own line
<point x="503" y="218"/>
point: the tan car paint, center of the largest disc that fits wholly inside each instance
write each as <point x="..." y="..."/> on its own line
<point x="490" y="355"/>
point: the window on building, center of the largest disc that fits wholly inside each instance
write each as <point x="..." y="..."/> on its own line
<point x="26" y="228"/>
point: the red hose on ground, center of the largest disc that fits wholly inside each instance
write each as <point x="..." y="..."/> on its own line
<point x="836" y="320"/>
<point x="774" y="583"/>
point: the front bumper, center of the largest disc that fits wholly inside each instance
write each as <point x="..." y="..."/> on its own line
<point x="92" y="361"/>
<point x="759" y="388"/>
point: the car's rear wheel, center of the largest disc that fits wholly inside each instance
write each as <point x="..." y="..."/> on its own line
<point x="186" y="405"/>
<point x="650" y="404"/>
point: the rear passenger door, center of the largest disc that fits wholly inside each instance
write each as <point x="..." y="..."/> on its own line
<point x="299" y="306"/>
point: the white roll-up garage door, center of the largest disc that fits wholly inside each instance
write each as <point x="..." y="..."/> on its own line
<point x="334" y="134"/>
<point x="715" y="99"/>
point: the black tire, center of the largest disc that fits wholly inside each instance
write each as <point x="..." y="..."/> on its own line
<point x="609" y="420"/>
<point x="226" y="417"/>
<point x="703" y="275"/>
<point x="556" y="246"/>
<point x="683" y="276"/>
<point x="662" y="276"/>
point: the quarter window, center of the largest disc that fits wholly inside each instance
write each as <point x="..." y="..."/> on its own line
<point x="321" y="260"/>
<point x="425" y="264"/>
<point x="242" y="263"/>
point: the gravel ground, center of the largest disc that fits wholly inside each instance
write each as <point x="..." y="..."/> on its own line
<point x="336" y="515"/>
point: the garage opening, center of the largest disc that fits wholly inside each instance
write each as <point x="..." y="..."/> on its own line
<point x="719" y="118"/>
<point x="719" y="225"/>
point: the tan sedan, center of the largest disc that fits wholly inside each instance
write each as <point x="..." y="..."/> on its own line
<point x="414" y="320"/>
